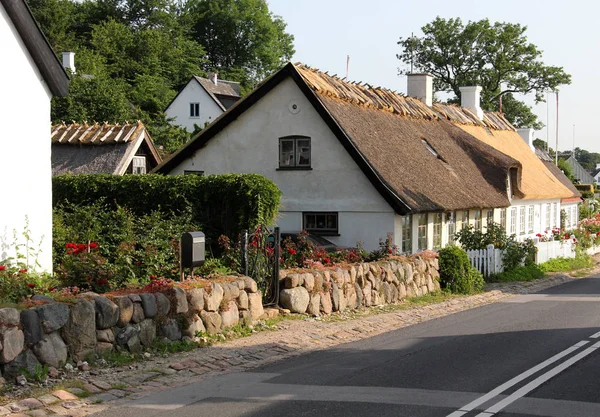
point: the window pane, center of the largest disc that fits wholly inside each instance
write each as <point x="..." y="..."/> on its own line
<point x="286" y="153"/>
<point x="406" y="234"/>
<point x="310" y="221"/>
<point x="331" y="222"/>
<point x="303" y="152"/>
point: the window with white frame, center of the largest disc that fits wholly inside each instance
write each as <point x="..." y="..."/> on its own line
<point x="555" y="215"/>
<point x="451" y="222"/>
<point x="530" y="215"/>
<point x="407" y="233"/>
<point x="465" y="219"/>
<point x="522" y="220"/>
<point x="437" y="231"/>
<point x="139" y="165"/>
<point x="294" y="152"/>
<point x="194" y="109"/>
<point x="490" y="217"/>
<point x="548" y="216"/>
<point x="477" y="219"/>
<point x="574" y="215"/>
<point x="503" y="218"/>
<point x="568" y="218"/>
<point x="513" y="221"/>
<point x="322" y="223"/>
<point x="422" y="232"/>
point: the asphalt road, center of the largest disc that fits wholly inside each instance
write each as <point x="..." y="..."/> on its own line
<point x="533" y="355"/>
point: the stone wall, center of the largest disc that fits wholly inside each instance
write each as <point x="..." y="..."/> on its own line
<point x="54" y="333"/>
<point x="317" y="292"/>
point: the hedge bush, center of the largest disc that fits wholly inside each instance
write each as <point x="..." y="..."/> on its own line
<point x="456" y="272"/>
<point x="220" y="204"/>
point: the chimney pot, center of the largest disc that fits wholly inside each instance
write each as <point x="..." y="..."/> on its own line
<point x="68" y="61"/>
<point x="420" y="86"/>
<point x="470" y="98"/>
<point x="527" y="135"/>
<point x="213" y="78"/>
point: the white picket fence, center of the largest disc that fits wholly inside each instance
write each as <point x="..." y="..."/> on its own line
<point x="489" y="261"/>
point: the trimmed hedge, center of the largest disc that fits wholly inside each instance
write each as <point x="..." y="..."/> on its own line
<point x="222" y="204"/>
<point x="456" y="273"/>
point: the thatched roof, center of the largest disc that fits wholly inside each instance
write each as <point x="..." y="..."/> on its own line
<point x="98" y="148"/>
<point x="395" y="134"/>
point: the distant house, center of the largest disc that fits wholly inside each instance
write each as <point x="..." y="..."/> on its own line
<point x="102" y="149"/>
<point x="596" y="174"/>
<point x="31" y="75"/>
<point x="579" y="172"/>
<point x="355" y="162"/>
<point x="202" y="100"/>
<point x="535" y="204"/>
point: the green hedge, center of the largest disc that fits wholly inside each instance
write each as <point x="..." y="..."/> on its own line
<point x="222" y="204"/>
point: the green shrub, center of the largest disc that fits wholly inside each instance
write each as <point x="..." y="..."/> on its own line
<point x="220" y="204"/>
<point x="520" y="273"/>
<point x="567" y="264"/>
<point x="456" y="272"/>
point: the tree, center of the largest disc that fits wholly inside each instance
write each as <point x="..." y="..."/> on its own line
<point x="495" y="56"/>
<point x="240" y="35"/>
<point x="567" y="169"/>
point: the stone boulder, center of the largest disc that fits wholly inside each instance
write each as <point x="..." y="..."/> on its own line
<point x="51" y="350"/>
<point x="295" y="299"/>
<point x="107" y="313"/>
<point x="125" y="306"/>
<point x="195" y="298"/>
<point x="12" y="341"/>
<point x="293" y="281"/>
<point x="147" y="332"/>
<point x="250" y="285"/>
<point x="242" y="300"/>
<point x="230" y="316"/>
<point x="178" y="299"/>
<point x="55" y="316"/>
<point x="335" y="296"/>
<point x="163" y="304"/>
<point x="129" y="338"/>
<point x="255" y="305"/>
<point x="105" y="336"/>
<point x="212" y="321"/>
<point x="213" y="297"/>
<point x="171" y="330"/>
<point x="26" y="361"/>
<point x="326" y="305"/>
<point x="9" y="317"/>
<point x="79" y="333"/>
<point x="149" y="305"/>
<point x="309" y="282"/>
<point x="138" y="313"/>
<point x="192" y="325"/>
<point x="314" y="305"/>
<point x="32" y="327"/>
<point x="359" y="295"/>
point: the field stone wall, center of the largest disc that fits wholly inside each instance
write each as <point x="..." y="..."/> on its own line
<point x="54" y="333"/>
<point x="317" y="292"/>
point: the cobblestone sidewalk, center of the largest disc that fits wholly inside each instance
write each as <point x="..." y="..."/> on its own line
<point x="105" y="388"/>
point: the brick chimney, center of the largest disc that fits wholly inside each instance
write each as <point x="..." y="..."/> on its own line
<point x="420" y="86"/>
<point x="470" y="98"/>
<point x="68" y="61"/>
<point x="213" y="78"/>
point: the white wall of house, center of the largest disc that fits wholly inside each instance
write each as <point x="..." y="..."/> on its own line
<point x="250" y="144"/>
<point x="179" y="109"/>
<point x="25" y="167"/>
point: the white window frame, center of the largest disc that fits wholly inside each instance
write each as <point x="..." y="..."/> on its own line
<point x="138" y="162"/>
<point x="422" y="240"/>
<point x="555" y="215"/>
<point x="438" y="220"/>
<point x="548" y="216"/>
<point x="194" y="110"/>
<point x="513" y="221"/>
<point x="407" y="240"/>
<point x="451" y="222"/>
<point x="530" y="216"/>
<point x="503" y="218"/>
<point x="295" y="164"/>
<point x="522" y="220"/>
<point x="477" y="220"/>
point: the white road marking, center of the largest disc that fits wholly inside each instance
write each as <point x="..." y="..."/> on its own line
<point x="501" y="388"/>
<point x="595" y="336"/>
<point x="537" y="382"/>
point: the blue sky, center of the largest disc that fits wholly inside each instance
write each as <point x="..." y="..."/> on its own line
<point x="326" y="31"/>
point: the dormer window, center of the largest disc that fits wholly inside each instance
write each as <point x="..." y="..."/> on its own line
<point x="432" y="150"/>
<point x="294" y="152"/>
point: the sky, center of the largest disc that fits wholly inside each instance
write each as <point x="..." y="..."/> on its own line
<point x="568" y="32"/>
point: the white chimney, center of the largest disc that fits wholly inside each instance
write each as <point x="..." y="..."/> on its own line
<point x="420" y="86"/>
<point x="597" y="165"/>
<point x="527" y="135"/>
<point x="470" y="97"/>
<point x="213" y="78"/>
<point x="69" y="61"/>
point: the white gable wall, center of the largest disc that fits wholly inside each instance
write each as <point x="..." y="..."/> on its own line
<point x="179" y="109"/>
<point x="250" y="144"/>
<point x="25" y="165"/>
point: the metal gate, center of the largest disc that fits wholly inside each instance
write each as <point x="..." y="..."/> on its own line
<point x="261" y="254"/>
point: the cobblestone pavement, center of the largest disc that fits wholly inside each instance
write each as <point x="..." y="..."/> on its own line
<point x="105" y="388"/>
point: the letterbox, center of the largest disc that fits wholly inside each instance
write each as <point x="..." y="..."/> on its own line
<point x="192" y="249"/>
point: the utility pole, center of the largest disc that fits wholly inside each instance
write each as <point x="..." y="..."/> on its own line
<point x="547" y="123"/>
<point x="556" y="149"/>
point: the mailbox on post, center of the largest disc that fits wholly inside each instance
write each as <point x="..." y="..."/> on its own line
<point x="192" y="249"/>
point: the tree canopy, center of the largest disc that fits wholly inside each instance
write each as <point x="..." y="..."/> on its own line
<point x="132" y="56"/>
<point x="496" y="56"/>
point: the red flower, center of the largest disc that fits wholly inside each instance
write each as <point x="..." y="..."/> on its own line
<point x="292" y="251"/>
<point x="31" y="285"/>
<point x="390" y="251"/>
<point x="22" y="271"/>
<point x="2" y="267"/>
<point x="51" y="289"/>
<point x="89" y="278"/>
<point x="93" y="245"/>
<point x="539" y="235"/>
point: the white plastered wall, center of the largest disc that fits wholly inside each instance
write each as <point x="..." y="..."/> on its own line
<point x="25" y="164"/>
<point x="179" y="109"/>
<point x="250" y="144"/>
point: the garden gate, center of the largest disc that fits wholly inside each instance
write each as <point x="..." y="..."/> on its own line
<point x="261" y="254"/>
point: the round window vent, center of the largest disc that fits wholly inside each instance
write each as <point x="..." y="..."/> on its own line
<point x="294" y="107"/>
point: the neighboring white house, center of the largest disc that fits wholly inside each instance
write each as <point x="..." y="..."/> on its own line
<point x="201" y="101"/>
<point x="31" y="75"/>
<point x="537" y="201"/>
<point x="355" y="163"/>
<point x="596" y="174"/>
